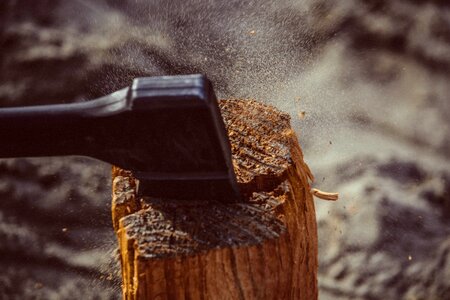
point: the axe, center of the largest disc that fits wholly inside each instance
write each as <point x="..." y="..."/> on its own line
<point x="168" y="130"/>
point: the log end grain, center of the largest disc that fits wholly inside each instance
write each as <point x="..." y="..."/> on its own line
<point x="264" y="247"/>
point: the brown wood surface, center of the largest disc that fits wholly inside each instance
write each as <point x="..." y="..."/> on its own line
<point x="262" y="248"/>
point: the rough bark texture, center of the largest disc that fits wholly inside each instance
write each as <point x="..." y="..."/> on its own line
<point x="262" y="248"/>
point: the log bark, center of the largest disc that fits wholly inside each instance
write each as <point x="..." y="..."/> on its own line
<point x="262" y="248"/>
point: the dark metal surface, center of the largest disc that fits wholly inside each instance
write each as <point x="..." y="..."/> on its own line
<point x="168" y="130"/>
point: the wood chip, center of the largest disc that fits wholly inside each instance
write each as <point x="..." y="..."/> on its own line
<point x="324" y="195"/>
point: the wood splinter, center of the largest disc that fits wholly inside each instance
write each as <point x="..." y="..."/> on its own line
<point x="324" y="195"/>
<point x="264" y="247"/>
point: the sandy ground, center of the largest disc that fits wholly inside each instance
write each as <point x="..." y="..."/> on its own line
<point x="366" y="84"/>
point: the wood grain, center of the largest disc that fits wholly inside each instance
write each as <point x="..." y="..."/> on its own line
<point x="264" y="247"/>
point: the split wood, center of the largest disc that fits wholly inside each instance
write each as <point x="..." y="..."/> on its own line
<point x="264" y="247"/>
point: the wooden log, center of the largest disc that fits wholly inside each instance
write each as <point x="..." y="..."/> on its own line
<point x="262" y="248"/>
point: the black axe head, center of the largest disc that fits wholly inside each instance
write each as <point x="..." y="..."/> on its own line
<point x="168" y="130"/>
<point x="180" y="147"/>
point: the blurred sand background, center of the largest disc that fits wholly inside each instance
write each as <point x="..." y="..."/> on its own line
<point x="367" y="86"/>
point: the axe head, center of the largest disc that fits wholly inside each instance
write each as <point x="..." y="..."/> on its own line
<point x="178" y="146"/>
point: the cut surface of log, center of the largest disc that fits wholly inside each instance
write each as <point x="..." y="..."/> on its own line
<point x="264" y="247"/>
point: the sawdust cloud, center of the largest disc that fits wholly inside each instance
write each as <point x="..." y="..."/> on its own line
<point x="292" y="54"/>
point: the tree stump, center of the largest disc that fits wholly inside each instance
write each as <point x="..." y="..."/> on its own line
<point x="264" y="247"/>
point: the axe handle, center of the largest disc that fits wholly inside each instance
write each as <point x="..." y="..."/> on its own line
<point x="61" y="129"/>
